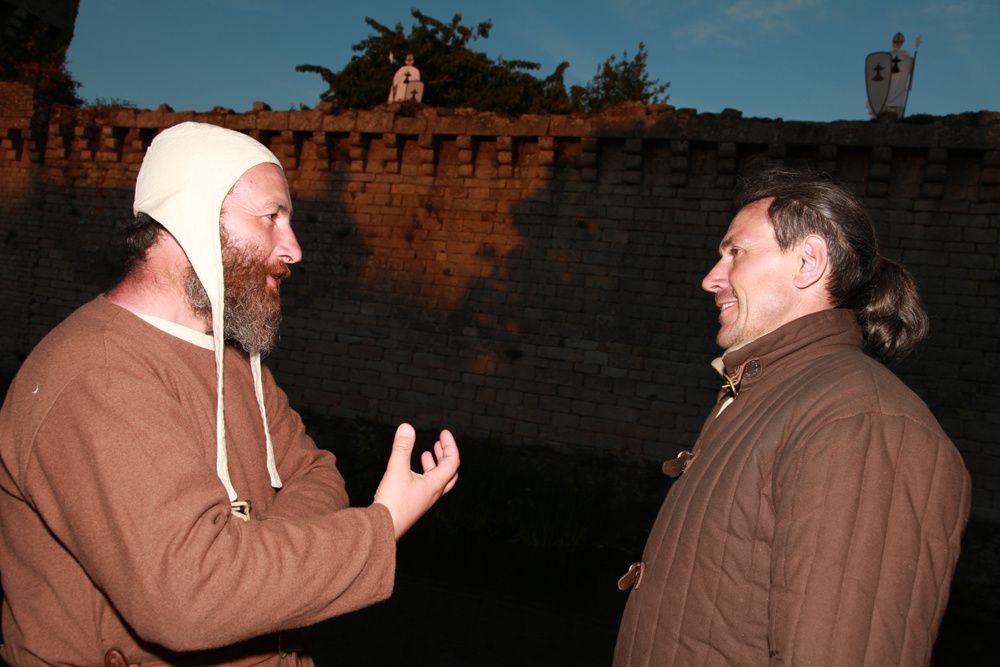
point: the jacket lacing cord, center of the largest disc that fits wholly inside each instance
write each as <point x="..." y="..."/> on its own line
<point x="731" y="386"/>
<point x="730" y="389"/>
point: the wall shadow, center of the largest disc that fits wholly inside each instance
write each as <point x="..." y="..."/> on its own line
<point x="520" y="561"/>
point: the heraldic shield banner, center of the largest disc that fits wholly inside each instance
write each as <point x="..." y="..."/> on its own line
<point x="878" y="77"/>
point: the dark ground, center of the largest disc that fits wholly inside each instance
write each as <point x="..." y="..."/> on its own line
<point x="549" y="615"/>
<point x="519" y="564"/>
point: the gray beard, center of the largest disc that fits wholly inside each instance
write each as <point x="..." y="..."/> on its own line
<point x="252" y="315"/>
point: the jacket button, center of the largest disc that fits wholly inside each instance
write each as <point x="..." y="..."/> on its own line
<point x="632" y="578"/>
<point x="676" y="467"/>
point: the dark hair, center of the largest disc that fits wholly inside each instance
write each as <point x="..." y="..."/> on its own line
<point x="138" y="235"/>
<point x="881" y="292"/>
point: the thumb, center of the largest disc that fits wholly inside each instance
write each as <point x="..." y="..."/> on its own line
<point x="402" y="447"/>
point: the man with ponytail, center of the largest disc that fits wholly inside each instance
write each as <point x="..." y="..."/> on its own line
<point x="817" y="519"/>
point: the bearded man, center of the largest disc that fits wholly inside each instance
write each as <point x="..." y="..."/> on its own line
<point x="817" y="519"/>
<point x="161" y="501"/>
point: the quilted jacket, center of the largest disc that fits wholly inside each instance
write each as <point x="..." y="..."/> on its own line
<point x="818" y="522"/>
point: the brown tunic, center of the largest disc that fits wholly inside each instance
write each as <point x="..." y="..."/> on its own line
<point x="818" y="523"/>
<point x="116" y="531"/>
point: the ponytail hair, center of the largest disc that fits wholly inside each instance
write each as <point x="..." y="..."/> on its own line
<point x="882" y="293"/>
<point x="893" y="316"/>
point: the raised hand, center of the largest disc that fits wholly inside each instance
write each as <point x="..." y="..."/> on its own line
<point x="408" y="495"/>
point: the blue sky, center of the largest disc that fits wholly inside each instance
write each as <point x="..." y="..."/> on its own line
<point x="791" y="59"/>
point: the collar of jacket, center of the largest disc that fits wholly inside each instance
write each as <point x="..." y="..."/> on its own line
<point x="745" y="365"/>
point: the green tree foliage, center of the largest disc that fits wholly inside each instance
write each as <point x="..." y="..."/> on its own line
<point x="455" y="75"/>
<point x="622" y="80"/>
<point x="31" y="55"/>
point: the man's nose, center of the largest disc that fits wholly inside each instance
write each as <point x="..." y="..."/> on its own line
<point x="288" y="248"/>
<point x="715" y="279"/>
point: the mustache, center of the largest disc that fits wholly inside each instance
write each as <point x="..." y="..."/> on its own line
<point x="279" y="270"/>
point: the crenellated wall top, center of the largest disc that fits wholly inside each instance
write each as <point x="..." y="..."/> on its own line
<point x="975" y="131"/>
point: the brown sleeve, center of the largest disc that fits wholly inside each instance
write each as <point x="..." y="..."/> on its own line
<point x="311" y="483"/>
<point x="869" y="516"/>
<point x="129" y="496"/>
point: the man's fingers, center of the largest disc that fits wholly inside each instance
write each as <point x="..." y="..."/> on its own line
<point x="405" y="436"/>
<point x="447" y="442"/>
<point x="449" y="452"/>
<point x="442" y="464"/>
<point x="427" y="462"/>
<point x="446" y="467"/>
<point x="402" y="446"/>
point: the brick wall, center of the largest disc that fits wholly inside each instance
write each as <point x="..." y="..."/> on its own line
<point x="534" y="279"/>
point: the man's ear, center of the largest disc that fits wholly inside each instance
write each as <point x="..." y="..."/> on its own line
<point x="814" y="261"/>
